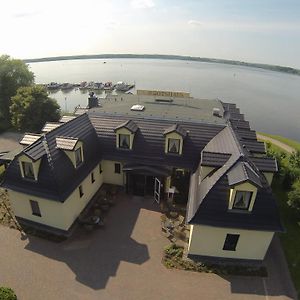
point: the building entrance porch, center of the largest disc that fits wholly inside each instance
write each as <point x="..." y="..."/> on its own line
<point x="144" y="180"/>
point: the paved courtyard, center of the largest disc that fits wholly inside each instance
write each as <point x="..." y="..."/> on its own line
<point x="122" y="261"/>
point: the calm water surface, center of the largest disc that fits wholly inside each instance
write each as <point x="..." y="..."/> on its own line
<point x="270" y="100"/>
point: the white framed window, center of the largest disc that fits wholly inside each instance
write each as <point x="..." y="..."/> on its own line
<point x="28" y="171"/>
<point x="173" y="146"/>
<point x="124" y="141"/>
<point x="78" y="157"/>
<point x="242" y="200"/>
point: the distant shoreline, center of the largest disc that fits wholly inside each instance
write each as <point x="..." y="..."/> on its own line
<point x="275" y="68"/>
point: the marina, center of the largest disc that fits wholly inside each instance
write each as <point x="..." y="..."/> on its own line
<point x="109" y="86"/>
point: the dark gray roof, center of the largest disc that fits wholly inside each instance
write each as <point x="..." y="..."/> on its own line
<point x="149" y="141"/>
<point x="176" y="128"/>
<point x="242" y="172"/>
<point x="57" y="178"/>
<point x="246" y="134"/>
<point x="214" y="210"/>
<point x="212" y="159"/>
<point x="66" y="143"/>
<point x="240" y="124"/>
<point x="254" y="146"/>
<point x="208" y="202"/>
<point x="129" y="124"/>
<point x="223" y="142"/>
<point x="265" y="164"/>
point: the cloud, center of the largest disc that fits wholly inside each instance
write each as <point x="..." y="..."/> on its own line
<point x="142" y="4"/>
<point x="195" y="22"/>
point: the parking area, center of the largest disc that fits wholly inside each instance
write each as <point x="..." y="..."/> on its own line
<point x="121" y="261"/>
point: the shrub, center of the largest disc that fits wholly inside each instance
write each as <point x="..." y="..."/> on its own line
<point x="7" y="294"/>
<point x="294" y="196"/>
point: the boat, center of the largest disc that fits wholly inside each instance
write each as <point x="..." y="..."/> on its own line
<point x="53" y="86"/>
<point x="121" y="86"/>
<point x="98" y="86"/>
<point x="66" y="86"/>
<point x="83" y="85"/>
<point x="90" y="85"/>
<point x="108" y="86"/>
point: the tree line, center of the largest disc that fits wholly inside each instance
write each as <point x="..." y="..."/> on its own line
<point x="275" y="68"/>
<point x="24" y="105"/>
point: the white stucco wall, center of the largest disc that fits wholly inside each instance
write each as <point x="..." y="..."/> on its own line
<point x="209" y="241"/>
<point x="57" y="214"/>
<point x="109" y="175"/>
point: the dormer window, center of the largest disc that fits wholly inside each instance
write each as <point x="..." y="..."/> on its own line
<point x="78" y="157"/>
<point x="124" y="141"/>
<point x="29" y="168"/>
<point x="242" y="200"/>
<point x="174" y="145"/>
<point x="28" y="171"/>
<point x="174" y="138"/>
<point x="244" y="183"/>
<point x="73" y="148"/>
<point x="125" y="134"/>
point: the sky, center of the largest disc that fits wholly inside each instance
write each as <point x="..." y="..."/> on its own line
<point x="263" y="31"/>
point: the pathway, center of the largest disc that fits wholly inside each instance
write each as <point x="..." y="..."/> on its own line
<point x="281" y="145"/>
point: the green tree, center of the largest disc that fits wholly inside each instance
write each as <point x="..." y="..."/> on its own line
<point x="31" y="108"/>
<point x="294" y="196"/>
<point x="14" y="73"/>
<point x="7" y="294"/>
<point x="294" y="159"/>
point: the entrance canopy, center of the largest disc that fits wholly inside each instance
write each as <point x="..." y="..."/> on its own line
<point x="147" y="170"/>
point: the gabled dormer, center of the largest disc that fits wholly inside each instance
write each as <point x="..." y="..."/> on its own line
<point x="29" y="168"/>
<point x="174" y="138"/>
<point x="73" y="149"/>
<point x="125" y="134"/>
<point x="243" y="182"/>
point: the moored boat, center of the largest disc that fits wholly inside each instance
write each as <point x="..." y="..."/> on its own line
<point x="108" y="86"/>
<point x="67" y="86"/>
<point x="83" y="85"/>
<point x="53" y="86"/>
<point x="121" y="86"/>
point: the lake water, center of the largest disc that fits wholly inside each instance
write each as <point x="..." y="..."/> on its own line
<point x="269" y="100"/>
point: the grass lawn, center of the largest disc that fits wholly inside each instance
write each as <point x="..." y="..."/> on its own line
<point x="289" y="142"/>
<point x="291" y="239"/>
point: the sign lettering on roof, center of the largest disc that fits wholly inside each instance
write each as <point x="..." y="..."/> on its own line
<point x="163" y="93"/>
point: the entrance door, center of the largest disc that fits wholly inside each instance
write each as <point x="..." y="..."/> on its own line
<point x="157" y="187"/>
